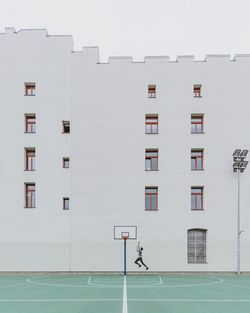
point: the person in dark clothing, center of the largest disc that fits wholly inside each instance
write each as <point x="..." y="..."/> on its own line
<point x="139" y="259"/>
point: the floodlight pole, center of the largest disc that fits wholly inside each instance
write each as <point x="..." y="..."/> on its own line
<point x="239" y="166"/>
<point x="238" y="227"/>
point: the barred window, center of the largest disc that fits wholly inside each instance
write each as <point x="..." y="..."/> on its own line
<point x="196" y="245"/>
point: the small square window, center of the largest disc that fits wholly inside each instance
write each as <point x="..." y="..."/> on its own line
<point x="65" y="162"/>
<point x="30" y="89"/>
<point x="65" y="203"/>
<point x="197" y="91"/>
<point x="151" y="91"/>
<point x="66" y="127"/>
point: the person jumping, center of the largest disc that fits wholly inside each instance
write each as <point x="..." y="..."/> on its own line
<point x="139" y="259"/>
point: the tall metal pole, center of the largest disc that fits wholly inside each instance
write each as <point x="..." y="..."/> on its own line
<point x="238" y="227"/>
<point x="125" y="257"/>
<point x="239" y="166"/>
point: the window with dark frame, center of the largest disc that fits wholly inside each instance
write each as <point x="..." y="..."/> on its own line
<point x="151" y="124"/>
<point x="30" y="89"/>
<point x="151" y="159"/>
<point x="197" y="198"/>
<point x="30" y="195"/>
<point x="196" y="245"/>
<point x="30" y="123"/>
<point x="65" y="162"/>
<point x="151" y="91"/>
<point x="66" y="127"/>
<point x="151" y="198"/>
<point x="197" y="91"/>
<point x="30" y="159"/>
<point x="65" y="203"/>
<point x="197" y="123"/>
<point x="197" y="159"/>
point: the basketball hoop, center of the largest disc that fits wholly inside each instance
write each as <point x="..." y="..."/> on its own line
<point x="125" y="235"/>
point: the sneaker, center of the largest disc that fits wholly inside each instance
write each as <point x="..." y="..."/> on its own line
<point x="146" y="268"/>
<point x="139" y="265"/>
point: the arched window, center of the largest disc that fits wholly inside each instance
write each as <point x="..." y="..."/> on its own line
<point x="196" y="245"/>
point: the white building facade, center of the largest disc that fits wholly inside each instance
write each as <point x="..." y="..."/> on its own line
<point x="87" y="146"/>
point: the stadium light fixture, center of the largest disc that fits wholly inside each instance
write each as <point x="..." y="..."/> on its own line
<point x="243" y="154"/>
<point x="236" y="154"/>
<point x="239" y="166"/>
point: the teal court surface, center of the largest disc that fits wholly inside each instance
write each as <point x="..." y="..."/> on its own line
<point x="149" y="293"/>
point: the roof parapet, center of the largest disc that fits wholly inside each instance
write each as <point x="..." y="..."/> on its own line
<point x="156" y="59"/>
<point x="115" y="60"/>
<point x="218" y="57"/>
<point x="185" y="58"/>
<point x="10" y="30"/>
<point x="242" y="57"/>
<point x="91" y="54"/>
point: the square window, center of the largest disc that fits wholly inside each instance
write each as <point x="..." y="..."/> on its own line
<point x="65" y="162"/>
<point x="151" y="124"/>
<point x="30" y="89"/>
<point x="66" y="127"/>
<point x="151" y="91"/>
<point x="65" y="203"/>
<point x="151" y="159"/>
<point x="151" y="198"/>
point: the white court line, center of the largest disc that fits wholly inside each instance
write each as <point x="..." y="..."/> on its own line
<point x="158" y="285"/>
<point x="160" y="280"/>
<point x="135" y="300"/>
<point x="235" y="285"/>
<point x="125" y="297"/>
<point x="13" y="285"/>
<point x="59" y="285"/>
<point x="89" y="279"/>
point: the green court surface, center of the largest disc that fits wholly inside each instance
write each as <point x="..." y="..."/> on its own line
<point x="149" y="293"/>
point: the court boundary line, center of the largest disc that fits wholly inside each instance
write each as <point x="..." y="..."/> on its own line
<point x="157" y="285"/>
<point x="125" y="296"/>
<point x="120" y="299"/>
